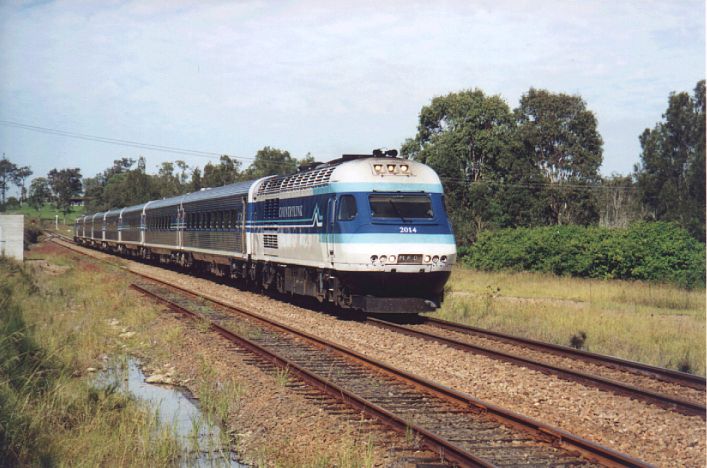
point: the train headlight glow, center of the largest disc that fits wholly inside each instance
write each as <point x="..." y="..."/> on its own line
<point x="384" y="259"/>
<point x="435" y="259"/>
<point x="404" y="168"/>
<point x="427" y="259"/>
<point x="391" y="168"/>
<point x="391" y="259"/>
<point x="378" y="168"/>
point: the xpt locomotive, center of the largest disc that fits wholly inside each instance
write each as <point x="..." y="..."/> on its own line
<point x="366" y="232"/>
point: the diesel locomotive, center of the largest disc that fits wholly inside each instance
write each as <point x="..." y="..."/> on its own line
<point x="365" y="232"/>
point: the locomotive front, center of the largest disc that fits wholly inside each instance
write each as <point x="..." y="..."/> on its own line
<point x="389" y="240"/>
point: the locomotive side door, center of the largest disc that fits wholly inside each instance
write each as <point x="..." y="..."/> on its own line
<point x="329" y="228"/>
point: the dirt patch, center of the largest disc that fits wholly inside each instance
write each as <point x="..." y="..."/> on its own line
<point x="46" y="267"/>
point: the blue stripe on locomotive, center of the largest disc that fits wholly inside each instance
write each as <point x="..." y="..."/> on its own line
<point x="310" y="215"/>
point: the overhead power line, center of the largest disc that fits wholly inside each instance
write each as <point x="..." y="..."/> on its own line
<point x="215" y="155"/>
<point x="118" y="141"/>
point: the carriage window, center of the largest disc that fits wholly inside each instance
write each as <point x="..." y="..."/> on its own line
<point x="401" y="206"/>
<point x="347" y="208"/>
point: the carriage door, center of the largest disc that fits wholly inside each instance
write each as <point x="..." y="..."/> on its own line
<point x="330" y="218"/>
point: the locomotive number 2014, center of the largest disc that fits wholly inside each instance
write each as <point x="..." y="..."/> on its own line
<point x="407" y="229"/>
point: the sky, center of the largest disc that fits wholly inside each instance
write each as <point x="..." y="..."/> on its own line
<point x="321" y="77"/>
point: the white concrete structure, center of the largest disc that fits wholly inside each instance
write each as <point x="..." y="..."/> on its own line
<point x="12" y="233"/>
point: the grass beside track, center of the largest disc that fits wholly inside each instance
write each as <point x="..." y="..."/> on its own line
<point x="61" y="316"/>
<point x="661" y="325"/>
<point x="52" y="411"/>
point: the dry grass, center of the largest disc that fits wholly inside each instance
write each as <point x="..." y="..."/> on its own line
<point x="658" y="324"/>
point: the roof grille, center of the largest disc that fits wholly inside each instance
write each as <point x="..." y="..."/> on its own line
<point x="299" y="181"/>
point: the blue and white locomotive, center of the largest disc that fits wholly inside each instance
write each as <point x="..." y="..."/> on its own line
<point x="366" y="232"/>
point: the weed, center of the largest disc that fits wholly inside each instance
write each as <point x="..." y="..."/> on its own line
<point x="282" y="376"/>
<point x="578" y="339"/>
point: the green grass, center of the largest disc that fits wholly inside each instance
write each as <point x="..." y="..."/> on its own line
<point x="52" y="412"/>
<point x="659" y="324"/>
<point x="47" y="213"/>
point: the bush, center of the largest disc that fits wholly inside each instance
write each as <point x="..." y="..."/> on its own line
<point x="658" y="251"/>
<point x="32" y="233"/>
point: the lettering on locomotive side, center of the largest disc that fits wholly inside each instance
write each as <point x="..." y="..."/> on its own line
<point x="290" y="211"/>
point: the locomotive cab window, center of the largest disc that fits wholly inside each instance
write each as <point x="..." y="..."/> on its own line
<point x="347" y="208"/>
<point x="403" y="207"/>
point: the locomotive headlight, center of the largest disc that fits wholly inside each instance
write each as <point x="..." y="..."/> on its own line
<point x="443" y="258"/>
<point x="383" y="259"/>
<point x="378" y="168"/>
<point x="435" y="259"/>
<point x="427" y="259"/>
<point x="404" y="168"/>
<point x="391" y="168"/>
<point x="374" y="258"/>
<point x="391" y="259"/>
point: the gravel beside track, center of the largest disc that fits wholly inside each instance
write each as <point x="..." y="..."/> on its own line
<point x="652" y="434"/>
<point x="678" y="391"/>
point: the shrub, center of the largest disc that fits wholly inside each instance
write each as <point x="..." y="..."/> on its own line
<point x="657" y="251"/>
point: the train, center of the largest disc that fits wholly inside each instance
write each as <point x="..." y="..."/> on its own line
<point x="367" y="232"/>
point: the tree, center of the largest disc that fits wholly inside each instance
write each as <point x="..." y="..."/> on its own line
<point x="671" y="174"/>
<point x="196" y="183"/>
<point x="20" y="177"/>
<point x="469" y="139"/>
<point x="7" y="176"/>
<point x="65" y="184"/>
<point x="270" y="161"/>
<point x="227" y="171"/>
<point x="167" y="181"/>
<point x="560" y="135"/>
<point x="39" y="192"/>
<point x="130" y="188"/>
<point x="618" y="201"/>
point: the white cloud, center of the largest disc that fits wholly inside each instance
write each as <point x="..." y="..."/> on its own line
<point x="312" y="76"/>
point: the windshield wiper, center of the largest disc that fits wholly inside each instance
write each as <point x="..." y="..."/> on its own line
<point x="395" y="207"/>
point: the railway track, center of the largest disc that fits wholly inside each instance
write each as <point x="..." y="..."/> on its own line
<point x="556" y="437"/>
<point x="463" y="430"/>
<point x="663" y="387"/>
<point x="672" y="390"/>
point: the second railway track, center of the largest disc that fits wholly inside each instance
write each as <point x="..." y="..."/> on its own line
<point x="668" y="389"/>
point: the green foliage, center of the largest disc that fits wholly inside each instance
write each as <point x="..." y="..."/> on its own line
<point x="671" y="176"/>
<point x="505" y="169"/>
<point x="7" y="174"/>
<point x="469" y="139"/>
<point x="227" y="171"/>
<point x="39" y="192"/>
<point x="66" y="184"/>
<point x="25" y="369"/>
<point x="271" y="161"/>
<point x="657" y="251"/>
<point x="560" y="135"/>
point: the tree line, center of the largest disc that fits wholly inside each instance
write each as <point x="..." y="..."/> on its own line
<point x="535" y="165"/>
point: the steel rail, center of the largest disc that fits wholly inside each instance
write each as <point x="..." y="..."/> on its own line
<point x="448" y="450"/>
<point x="668" y="375"/>
<point x="541" y="430"/>
<point x="665" y="401"/>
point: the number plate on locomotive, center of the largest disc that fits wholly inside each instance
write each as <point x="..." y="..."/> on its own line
<point x="409" y="258"/>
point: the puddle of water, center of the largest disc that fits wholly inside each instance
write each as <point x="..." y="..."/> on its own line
<point x="175" y="409"/>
